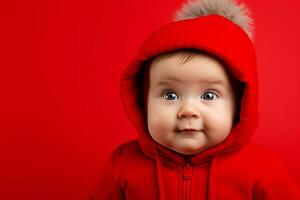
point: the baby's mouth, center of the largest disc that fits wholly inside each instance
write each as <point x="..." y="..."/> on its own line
<point x="187" y="130"/>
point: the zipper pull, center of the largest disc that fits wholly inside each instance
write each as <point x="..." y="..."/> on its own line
<point x="187" y="172"/>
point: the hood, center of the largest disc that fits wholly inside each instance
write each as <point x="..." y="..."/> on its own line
<point x="217" y="36"/>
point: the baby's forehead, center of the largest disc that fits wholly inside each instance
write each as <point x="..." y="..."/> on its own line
<point x="182" y="56"/>
<point x="180" y="63"/>
<point x="190" y="64"/>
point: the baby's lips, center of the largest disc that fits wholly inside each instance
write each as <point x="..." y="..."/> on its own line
<point x="187" y="130"/>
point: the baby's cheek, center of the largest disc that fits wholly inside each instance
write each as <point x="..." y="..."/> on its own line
<point x="159" y="123"/>
<point x="218" y="119"/>
<point x="158" y="120"/>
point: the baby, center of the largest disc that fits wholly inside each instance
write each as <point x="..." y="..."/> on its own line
<point x="192" y="94"/>
<point x="191" y="103"/>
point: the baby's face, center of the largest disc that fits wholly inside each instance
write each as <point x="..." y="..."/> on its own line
<point x="191" y="106"/>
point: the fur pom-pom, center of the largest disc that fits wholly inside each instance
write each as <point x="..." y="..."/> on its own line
<point x="230" y="9"/>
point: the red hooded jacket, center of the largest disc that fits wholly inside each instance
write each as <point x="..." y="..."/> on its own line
<point x="236" y="169"/>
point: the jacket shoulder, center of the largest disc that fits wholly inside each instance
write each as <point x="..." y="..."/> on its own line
<point x="258" y="154"/>
<point x="273" y="180"/>
<point x="262" y="168"/>
<point x="253" y="158"/>
<point x="128" y="149"/>
<point x="130" y="155"/>
<point x="263" y="163"/>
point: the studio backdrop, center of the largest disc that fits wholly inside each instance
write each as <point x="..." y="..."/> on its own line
<point x="60" y="108"/>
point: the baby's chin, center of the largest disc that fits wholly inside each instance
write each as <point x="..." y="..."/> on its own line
<point x="188" y="149"/>
<point x="188" y="146"/>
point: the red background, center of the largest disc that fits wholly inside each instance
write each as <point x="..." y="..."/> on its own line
<point x="59" y="78"/>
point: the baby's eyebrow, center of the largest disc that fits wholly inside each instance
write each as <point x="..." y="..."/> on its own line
<point x="207" y="81"/>
<point x="214" y="82"/>
<point x="167" y="82"/>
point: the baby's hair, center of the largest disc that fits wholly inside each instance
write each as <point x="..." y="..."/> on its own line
<point x="184" y="55"/>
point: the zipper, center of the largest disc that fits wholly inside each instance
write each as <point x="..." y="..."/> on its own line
<point x="187" y="181"/>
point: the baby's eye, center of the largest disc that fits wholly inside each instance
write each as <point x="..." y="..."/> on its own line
<point x="209" y="95"/>
<point x="170" y="95"/>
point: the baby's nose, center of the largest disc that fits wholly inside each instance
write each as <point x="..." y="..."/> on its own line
<point x="188" y="111"/>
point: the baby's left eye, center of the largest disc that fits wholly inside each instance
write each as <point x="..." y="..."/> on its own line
<point x="170" y="95"/>
<point x="209" y="96"/>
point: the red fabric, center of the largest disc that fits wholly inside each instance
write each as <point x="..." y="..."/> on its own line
<point x="234" y="169"/>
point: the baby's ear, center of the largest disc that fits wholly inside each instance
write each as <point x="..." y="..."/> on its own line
<point x="230" y="9"/>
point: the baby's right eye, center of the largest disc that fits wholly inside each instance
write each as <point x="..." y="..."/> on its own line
<point x="170" y="95"/>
